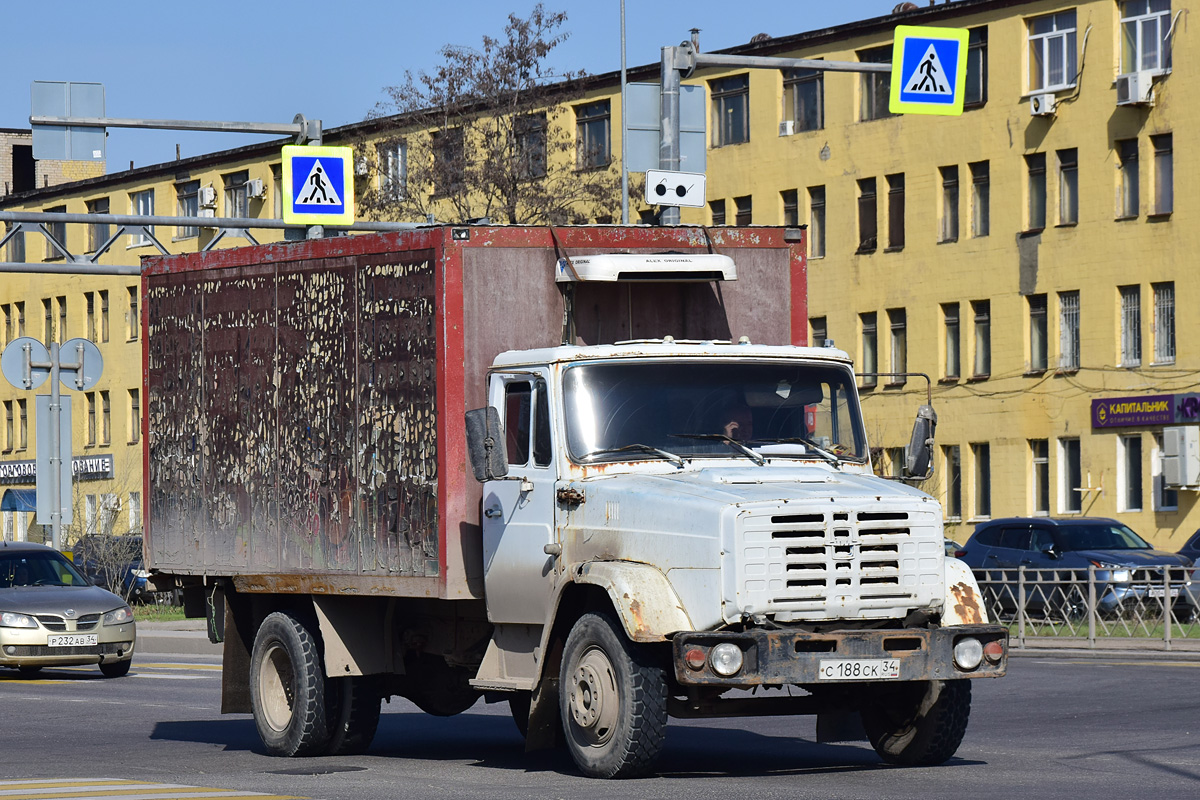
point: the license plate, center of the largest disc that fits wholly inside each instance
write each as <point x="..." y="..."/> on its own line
<point x="859" y="669"/>
<point x="80" y="640"/>
<point x="1158" y="591"/>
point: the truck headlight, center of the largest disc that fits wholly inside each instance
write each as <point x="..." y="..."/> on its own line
<point x="11" y="619"/>
<point x="725" y="659"/>
<point x="968" y="653"/>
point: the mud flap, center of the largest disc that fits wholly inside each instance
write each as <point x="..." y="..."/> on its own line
<point x="545" y="727"/>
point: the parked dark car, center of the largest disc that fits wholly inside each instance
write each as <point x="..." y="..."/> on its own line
<point x="1192" y="548"/>
<point x="1057" y="553"/>
<point x="114" y="562"/>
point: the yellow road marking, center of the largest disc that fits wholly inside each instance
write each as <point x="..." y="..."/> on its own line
<point x="56" y="789"/>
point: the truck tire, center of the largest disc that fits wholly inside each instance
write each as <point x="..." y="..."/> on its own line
<point x="287" y="688"/>
<point x="352" y="711"/>
<point x="920" y="725"/>
<point x="612" y="699"/>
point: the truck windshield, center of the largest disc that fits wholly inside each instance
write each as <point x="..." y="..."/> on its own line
<point x="711" y="409"/>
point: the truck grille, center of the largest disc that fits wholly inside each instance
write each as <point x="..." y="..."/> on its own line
<point x="826" y="565"/>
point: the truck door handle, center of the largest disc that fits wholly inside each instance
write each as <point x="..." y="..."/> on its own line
<point x="493" y="513"/>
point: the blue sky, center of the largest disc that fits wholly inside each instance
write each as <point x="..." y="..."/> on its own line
<point x="265" y="62"/>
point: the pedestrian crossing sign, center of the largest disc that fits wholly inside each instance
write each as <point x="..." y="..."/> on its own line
<point x="318" y="185"/>
<point x="929" y="68"/>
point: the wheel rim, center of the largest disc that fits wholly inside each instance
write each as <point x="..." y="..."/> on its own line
<point x="594" y="699"/>
<point x="276" y="681"/>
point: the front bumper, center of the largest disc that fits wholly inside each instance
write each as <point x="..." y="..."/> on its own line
<point x="780" y="658"/>
<point x="28" y="647"/>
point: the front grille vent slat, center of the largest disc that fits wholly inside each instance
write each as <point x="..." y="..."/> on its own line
<point x="52" y="623"/>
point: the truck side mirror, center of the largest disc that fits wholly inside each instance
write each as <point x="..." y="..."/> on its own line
<point x="485" y="444"/>
<point x="918" y="464"/>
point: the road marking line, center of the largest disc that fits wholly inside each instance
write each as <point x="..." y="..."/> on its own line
<point x="109" y="789"/>
<point x="140" y="665"/>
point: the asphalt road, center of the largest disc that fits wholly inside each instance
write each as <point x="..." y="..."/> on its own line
<point x="1057" y="726"/>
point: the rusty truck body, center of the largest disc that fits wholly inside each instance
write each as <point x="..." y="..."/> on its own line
<point x="594" y="471"/>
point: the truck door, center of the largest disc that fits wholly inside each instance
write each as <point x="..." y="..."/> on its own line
<point x="518" y="512"/>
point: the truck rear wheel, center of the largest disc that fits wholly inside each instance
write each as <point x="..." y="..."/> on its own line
<point x="612" y="699"/>
<point x="287" y="687"/>
<point x="352" y="711"/>
<point x="921" y="724"/>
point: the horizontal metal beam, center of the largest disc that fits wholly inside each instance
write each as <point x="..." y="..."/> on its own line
<point x="193" y="222"/>
<point x="768" y="62"/>
<point x="70" y="268"/>
<point x="291" y="128"/>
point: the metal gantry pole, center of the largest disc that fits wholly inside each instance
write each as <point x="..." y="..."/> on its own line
<point x="668" y="146"/>
<point x="55" y="447"/>
<point x="624" y="129"/>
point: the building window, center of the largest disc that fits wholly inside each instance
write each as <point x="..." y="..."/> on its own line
<point x="1039" y="451"/>
<point x="89" y="299"/>
<point x="449" y="160"/>
<point x="876" y="87"/>
<point x="1165" y="499"/>
<point x="135" y="416"/>
<point x="744" y="211"/>
<point x="1070" y="482"/>
<point x="62" y="319"/>
<point x="730" y="110"/>
<point x="1035" y="164"/>
<point x="898" y="322"/>
<point x="1131" y="325"/>
<point x="20" y="311"/>
<point x="1164" y="180"/>
<point x="717" y="209"/>
<point x="896" y="211"/>
<point x="975" y="92"/>
<point x="48" y="317"/>
<point x="1038" y="349"/>
<point x="89" y="514"/>
<point x="816" y="221"/>
<point x="953" y="358"/>
<point x="393" y="168"/>
<point x="1129" y="460"/>
<point x="187" y="201"/>
<point x="141" y="204"/>
<point x="1068" y="330"/>
<point x="16" y="244"/>
<point x="22" y="425"/>
<point x="1164" y="323"/>
<point x="982" y="455"/>
<point x="134" y="323"/>
<point x="820" y="331"/>
<point x="237" y="201"/>
<point x="58" y="233"/>
<point x="804" y="98"/>
<point x="870" y="349"/>
<point x="1144" y="43"/>
<point x="1068" y="186"/>
<point x="791" y="207"/>
<point x="949" y="221"/>
<point x="98" y="232"/>
<point x="90" y="399"/>
<point x="277" y="192"/>
<point x="8" y="426"/>
<point x="1052" y="53"/>
<point x="103" y="315"/>
<point x="868" y="229"/>
<point x="6" y="309"/>
<point x="1127" y="161"/>
<point x="953" y="458"/>
<point x="591" y="135"/>
<point x="105" y="419"/>
<point x="135" y="512"/>
<point x="981" y="198"/>
<point x="982" y="310"/>
<point x="529" y="130"/>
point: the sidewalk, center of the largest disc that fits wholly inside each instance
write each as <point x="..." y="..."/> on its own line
<point x="186" y="637"/>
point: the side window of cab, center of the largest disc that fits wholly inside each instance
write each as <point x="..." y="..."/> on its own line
<point x="527" y="423"/>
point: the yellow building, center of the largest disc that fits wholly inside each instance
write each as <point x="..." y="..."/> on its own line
<point x="1029" y="256"/>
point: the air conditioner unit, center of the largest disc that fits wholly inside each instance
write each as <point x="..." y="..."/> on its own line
<point x="256" y="189"/>
<point x="206" y="197"/>
<point x="1135" y="88"/>
<point x="1041" y="105"/>
<point x="1181" y="456"/>
<point x="787" y="127"/>
<point x="362" y="168"/>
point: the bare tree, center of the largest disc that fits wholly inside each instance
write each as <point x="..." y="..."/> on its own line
<point x="491" y="133"/>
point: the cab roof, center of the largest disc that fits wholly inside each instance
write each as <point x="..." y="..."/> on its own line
<point x="667" y="348"/>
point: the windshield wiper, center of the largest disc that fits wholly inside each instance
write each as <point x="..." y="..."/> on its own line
<point x="644" y="448"/>
<point x="809" y="443"/>
<point x="729" y="440"/>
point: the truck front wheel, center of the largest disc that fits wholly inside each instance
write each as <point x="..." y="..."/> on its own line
<point x="919" y="724"/>
<point x="287" y="687"/>
<point x="612" y="699"/>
